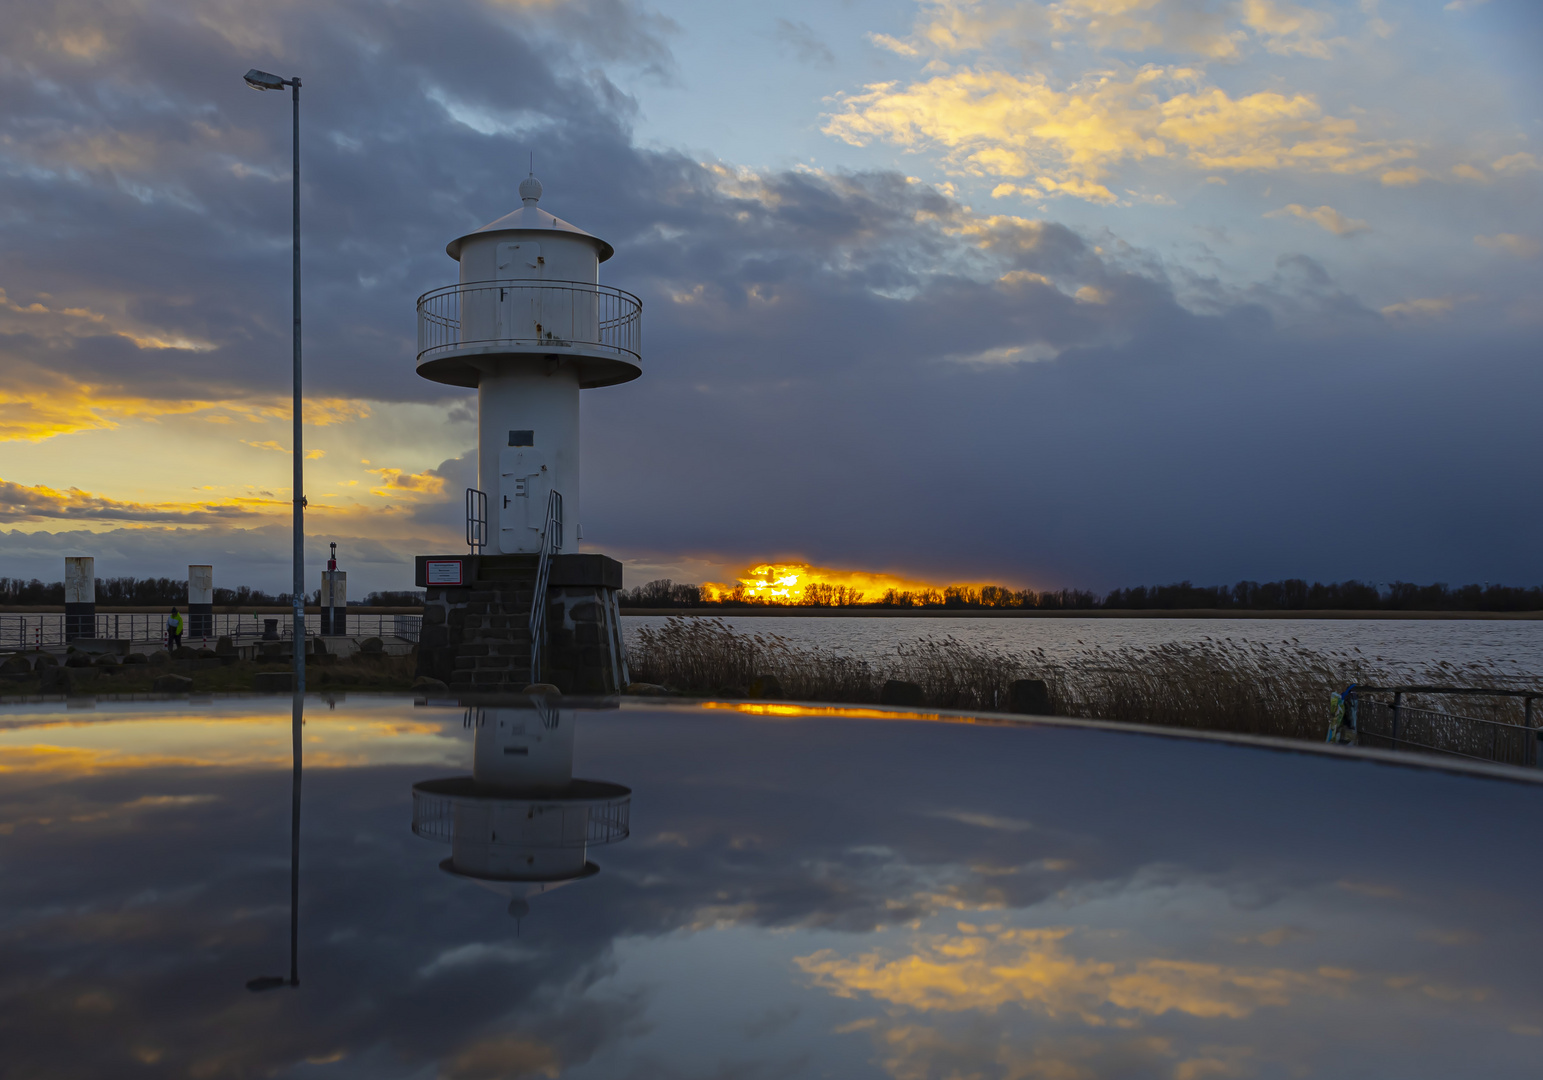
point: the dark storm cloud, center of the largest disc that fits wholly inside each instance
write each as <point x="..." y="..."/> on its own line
<point x="853" y="369"/>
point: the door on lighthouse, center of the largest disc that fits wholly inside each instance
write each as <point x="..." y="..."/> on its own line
<point x="525" y="483"/>
<point x="519" y="307"/>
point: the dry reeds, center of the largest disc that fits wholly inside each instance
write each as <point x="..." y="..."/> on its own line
<point x="1218" y="685"/>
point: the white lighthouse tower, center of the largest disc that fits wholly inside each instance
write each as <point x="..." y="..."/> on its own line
<point x="529" y="325"/>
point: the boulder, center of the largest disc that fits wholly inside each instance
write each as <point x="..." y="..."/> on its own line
<point x="318" y="647"/>
<point x="372" y="646"/>
<point x="899" y="692"/>
<point x="545" y="689"/>
<point x="43" y="660"/>
<point x="172" y="684"/>
<point x="648" y="689"/>
<point x="766" y="686"/>
<point x="426" y="684"/>
<point x="15" y="664"/>
<point x="205" y="654"/>
<point x="274" y="682"/>
<point x="107" y="660"/>
<point x="160" y="656"/>
<point x="78" y="659"/>
<point x="224" y="646"/>
<point x="136" y="658"/>
<point x="1029" y="696"/>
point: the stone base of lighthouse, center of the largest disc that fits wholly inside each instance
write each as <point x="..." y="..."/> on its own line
<point x="476" y="623"/>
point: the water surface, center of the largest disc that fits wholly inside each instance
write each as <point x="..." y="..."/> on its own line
<point x="800" y="896"/>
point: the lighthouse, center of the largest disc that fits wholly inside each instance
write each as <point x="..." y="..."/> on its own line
<point x="529" y="326"/>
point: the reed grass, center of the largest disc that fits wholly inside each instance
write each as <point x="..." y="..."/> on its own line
<point x="1279" y="690"/>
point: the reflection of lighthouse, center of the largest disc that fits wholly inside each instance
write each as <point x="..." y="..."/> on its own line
<point x="521" y="822"/>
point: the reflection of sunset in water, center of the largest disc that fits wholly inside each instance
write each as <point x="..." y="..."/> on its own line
<point x="224" y="734"/>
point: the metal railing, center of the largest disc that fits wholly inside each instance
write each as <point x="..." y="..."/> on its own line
<point x="47" y="629"/>
<point x="1392" y="725"/>
<point x="551" y="544"/>
<point x="537" y="315"/>
<point x="476" y="520"/>
<point x="580" y="824"/>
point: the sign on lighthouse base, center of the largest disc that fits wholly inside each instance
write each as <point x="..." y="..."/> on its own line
<point x="476" y="619"/>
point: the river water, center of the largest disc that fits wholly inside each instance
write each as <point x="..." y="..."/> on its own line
<point x="1411" y="648"/>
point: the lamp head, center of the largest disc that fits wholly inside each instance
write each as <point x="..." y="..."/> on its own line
<point x="261" y="80"/>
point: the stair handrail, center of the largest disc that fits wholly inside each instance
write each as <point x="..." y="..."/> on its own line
<point x="551" y="544"/>
<point x="476" y="520"/>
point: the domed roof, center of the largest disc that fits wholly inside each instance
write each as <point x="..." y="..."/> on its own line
<point x="530" y="218"/>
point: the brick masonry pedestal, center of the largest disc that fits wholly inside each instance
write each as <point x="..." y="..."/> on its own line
<point x="476" y="618"/>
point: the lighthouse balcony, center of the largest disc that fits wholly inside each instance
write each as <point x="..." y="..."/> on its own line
<point x="463" y="329"/>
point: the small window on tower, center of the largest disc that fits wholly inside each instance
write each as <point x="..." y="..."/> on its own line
<point x="522" y="438"/>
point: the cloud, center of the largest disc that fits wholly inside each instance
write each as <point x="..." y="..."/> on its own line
<point x="20" y="502"/>
<point x="1523" y="247"/>
<point x="1516" y="163"/>
<point x="1288" y="29"/>
<point x="995" y="124"/>
<point x="838" y="321"/>
<point x="1325" y="217"/>
<point x="805" y="46"/>
<point x="1220" y="32"/>
<point x="398" y="482"/>
<point x="1425" y="307"/>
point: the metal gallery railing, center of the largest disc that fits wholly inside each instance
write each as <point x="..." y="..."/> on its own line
<point x="47" y="629"/>
<point x="565" y="824"/>
<point x="1384" y="721"/>
<point x="534" y="315"/>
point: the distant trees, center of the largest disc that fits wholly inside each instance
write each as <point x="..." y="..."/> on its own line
<point x="164" y="592"/>
<point x="394" y="598"/>
<point x="660" y="594"/>
<point x="1292" y="594"/>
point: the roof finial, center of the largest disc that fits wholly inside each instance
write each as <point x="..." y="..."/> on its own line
<point x="530" y="187"/>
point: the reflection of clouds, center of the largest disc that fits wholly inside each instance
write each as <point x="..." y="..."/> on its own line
<point x="985" y="969"/>
<point x="1169" y="952"/>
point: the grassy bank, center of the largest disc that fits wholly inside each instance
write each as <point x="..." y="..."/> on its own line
<point x="1218" y="685"/>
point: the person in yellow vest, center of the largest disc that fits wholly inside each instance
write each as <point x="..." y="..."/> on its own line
<point x="174" y="630"/>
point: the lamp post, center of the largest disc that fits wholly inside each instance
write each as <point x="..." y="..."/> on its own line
<point x="262" y="80"/>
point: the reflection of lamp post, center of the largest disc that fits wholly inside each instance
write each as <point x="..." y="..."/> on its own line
<point x="261" y="80"/>
<point x="521" y="824"/>
<point x="271" y="982"/>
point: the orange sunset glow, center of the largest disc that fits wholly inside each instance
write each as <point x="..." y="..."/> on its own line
<point x="790" y="583"/>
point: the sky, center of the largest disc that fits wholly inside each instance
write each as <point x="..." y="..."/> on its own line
<point x="1086" y="293"/>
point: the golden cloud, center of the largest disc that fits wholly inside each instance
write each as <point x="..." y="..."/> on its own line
<point x="61" y="324"/>
<point x="1325" y="217"/>
<point x="1523" y="247"/>
<point x="399" y="482"/>
<point x="945" y="28"/>
<point x="38" y="404"/>
<point x="1425" y="307"/>
<point x="993" y="123"/>
<point x="19" y="502"/>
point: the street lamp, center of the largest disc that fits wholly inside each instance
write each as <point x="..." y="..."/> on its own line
<point x="262" y="80"/>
